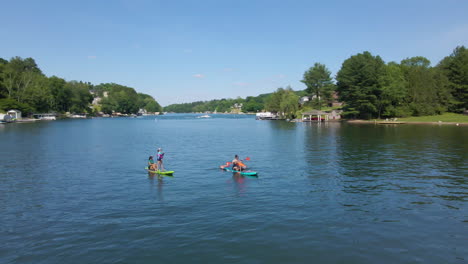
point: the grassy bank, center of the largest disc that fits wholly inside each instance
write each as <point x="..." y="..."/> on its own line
<point x="447" y="117"/>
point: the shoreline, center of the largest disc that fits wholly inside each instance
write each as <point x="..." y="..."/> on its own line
<point x="405" y="122"/>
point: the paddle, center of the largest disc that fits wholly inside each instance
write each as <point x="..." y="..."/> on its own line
<point x="229" y="163"/>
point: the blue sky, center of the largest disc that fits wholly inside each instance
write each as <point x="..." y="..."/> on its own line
<point x="184" y="51"/>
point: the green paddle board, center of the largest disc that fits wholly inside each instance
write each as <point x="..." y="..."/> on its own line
<point x="166" y="173"/>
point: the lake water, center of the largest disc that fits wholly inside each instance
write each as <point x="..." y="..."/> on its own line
<point x="75" y="191"/>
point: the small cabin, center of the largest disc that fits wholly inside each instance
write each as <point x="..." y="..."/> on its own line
<point x="15" y="114"/>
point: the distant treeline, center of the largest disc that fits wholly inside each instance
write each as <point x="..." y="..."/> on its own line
<point x="249" y="104"/>
<point x="371" y="88"/>
<point x="368" y="88"/>
<point x="24" y="87"/>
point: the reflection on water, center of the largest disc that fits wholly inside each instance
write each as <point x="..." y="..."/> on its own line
<point x="158" y="181"/>
<point x="367" y="165"/>
<point x="331" y="192"/>
<point x="278" y="124"/>
<point x="239" y="184"/>
<point x="409" y="160"/>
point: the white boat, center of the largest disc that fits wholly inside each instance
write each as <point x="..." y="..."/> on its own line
<point x="78" y="116"/>
<point x="266" y="116"/>
<point x="204" y="116"/>
<point x="46" y="117"/>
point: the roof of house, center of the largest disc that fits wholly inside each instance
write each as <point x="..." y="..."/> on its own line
<point x="315" y="112"/>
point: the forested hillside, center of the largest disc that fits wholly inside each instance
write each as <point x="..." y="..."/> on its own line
<point x="25" y="87"/>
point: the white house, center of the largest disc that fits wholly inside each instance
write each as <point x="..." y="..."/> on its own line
<point x="15" y="114"/>
<point x="237" y="106"/>
<point x="304" y="99"/>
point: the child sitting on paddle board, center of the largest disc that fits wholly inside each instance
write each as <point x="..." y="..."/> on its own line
<point x="160" y="159"/>
<point x="151" y="164"/>
<point x="237" y="164"/>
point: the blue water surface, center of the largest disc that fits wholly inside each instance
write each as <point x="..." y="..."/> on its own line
<point x="75" y="191"/>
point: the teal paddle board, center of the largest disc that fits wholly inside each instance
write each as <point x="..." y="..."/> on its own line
<point x="166" y="173"/>
<point x="248" y="173"/>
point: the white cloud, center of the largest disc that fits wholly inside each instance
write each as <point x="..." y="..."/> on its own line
<point x="198" y="75"/>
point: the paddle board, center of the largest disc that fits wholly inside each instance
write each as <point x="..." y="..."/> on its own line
<point x="248" y="173"/>
<point x="166" y="173"/>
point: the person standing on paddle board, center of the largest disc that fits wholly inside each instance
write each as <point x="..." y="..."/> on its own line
<point x="160" y="159"/>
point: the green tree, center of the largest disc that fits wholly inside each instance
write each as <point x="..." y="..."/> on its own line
<point x="273" y="103"/>
<point x="358" y="84"/>
<point x="148" y="103"/>
<point x="394" y="94"/>
<point x="38" y="94"/>
<point x="284" y="102"/>
<point x="120" y="98"/>
<point x="8" y="104"/>
<point x="81" y="98"/>
<point x="18" y="75"/>
<point x="455" y="67"/>
<point x="153" y="106"/>
<point x="289" y="103"/>
<point x="61" y="94"/>
<point x="108" y="106"/>
<point x="252" y="104"/>
<point x="427" y="90"/>
<point x="319" y="83"/>
<point x="3" y="90"/>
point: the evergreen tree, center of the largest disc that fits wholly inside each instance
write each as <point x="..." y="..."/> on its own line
<point x="426" y="89"/>
<point x="358" y="84"/>
<point x="319" y="83"/>
<point x="394" y="94"/>
<point x="455" y="67"/>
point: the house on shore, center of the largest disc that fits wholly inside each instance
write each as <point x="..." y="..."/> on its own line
<point x="15" y="114"/>
<point x="334" y="103"/>
<point x="320" y="116"/>
<point x="304" y="99"/>
<point x="11" y="116"/>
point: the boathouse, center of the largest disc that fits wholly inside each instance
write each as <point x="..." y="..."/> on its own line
<point x="319" y="116"/>
<point x="15" y="114"/>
